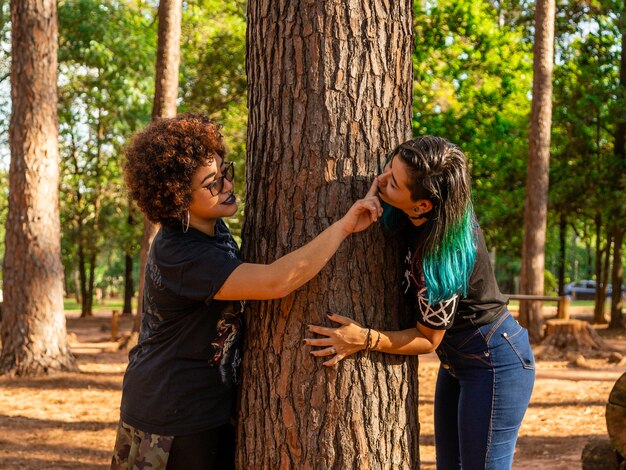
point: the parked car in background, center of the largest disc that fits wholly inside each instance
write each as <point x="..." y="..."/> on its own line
<point x="586" y="290"/>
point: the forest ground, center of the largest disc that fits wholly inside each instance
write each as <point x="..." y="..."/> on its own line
<point x="68" y="421"/>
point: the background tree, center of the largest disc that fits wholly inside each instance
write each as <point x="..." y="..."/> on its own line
<point x="34" y="338"/>
<point x="536" y="204"/>
<point x="164" y="106"/>
<point x="106" y="59"/>
<point x="472" y="76"/>
<point x="329" y="95"/>
<point x="618" y="180"/>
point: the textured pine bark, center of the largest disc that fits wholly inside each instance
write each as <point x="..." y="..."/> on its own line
<point x="536" y="206"/>
<point x="329" y="95"/>
<point x="34" y="338"/>
<point x="165" y="96"/>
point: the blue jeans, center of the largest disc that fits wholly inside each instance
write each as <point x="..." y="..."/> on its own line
<point x="484" y="385"/>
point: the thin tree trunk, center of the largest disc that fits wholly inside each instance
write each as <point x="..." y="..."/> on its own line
<point x="129" y="285"/>
<point x="77" y="291"/>
<point x="600" y="296"/>
<point x="617" y="279"/>
<point x="329" y="95"/>
<point x="617" y="275"/>
<point x="562" y="252"/>
<point x="165" y="96"/>
<point x="33" y="332"/>
<point x="536" y="205"/>
<point x="82" y="274"/>
<point x="89" y="293"/>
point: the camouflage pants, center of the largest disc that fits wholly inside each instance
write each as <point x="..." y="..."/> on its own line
<point x="138" y="450"/>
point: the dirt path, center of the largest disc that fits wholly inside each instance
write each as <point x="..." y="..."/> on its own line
<point x="68" y="421"/>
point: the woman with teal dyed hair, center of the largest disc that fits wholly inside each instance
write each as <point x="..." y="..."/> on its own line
<point x="486" y="373"/>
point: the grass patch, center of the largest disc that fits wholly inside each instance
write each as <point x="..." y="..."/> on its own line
<point x="106" y="304"/>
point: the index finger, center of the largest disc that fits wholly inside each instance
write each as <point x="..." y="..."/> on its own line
<point x="373" y="191"/>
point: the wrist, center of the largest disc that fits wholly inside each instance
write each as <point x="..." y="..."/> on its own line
<point x="343" y="228"/>
<point x="363" y="334"/>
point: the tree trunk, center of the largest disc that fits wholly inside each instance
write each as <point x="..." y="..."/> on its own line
<point x="165" y="95"/>
<point x="129" y="285"/>
<point x="617" y="279"/>
<point x="536" y="205"/>
<point x="82" y="274"/>
<point x="619" y="150"/>
<point x="77" y="291"/>
<point x="616" y="415"/>
<point x="34" y="336"/>
<point x="89" y="292"/>
<point x="562" y="253"/>
<point x="600" y="268"/>
<point x="329" y="96"/>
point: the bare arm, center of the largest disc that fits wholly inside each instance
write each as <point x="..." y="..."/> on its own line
<point x="350" y="338"/>
<point x="278" y="279"/>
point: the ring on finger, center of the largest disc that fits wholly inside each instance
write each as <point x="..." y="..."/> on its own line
<point x="333" y="351"/>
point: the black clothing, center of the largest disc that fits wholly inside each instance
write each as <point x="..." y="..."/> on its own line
<point x="483" y="304"/>
<point x="182" y="374"/>
<point x="213" y="449"/>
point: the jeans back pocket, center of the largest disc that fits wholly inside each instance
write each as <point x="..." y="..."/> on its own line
<point x="521" y="346"/>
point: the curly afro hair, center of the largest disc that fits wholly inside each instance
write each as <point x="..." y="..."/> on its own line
<point x="162" y="159"/>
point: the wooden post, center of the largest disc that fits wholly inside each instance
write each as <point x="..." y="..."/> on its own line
<point x="115" y="324"/>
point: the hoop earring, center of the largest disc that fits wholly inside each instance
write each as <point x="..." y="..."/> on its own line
<point x="185" y="224"/>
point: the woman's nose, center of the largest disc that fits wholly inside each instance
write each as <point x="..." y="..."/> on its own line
<point x="228" y="186"/>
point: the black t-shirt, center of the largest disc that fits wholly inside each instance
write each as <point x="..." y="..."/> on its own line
<point x="482" y="305"/>
<point x="182" y="374"/>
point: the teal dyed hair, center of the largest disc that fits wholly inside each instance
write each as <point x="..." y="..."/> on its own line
<point x="448" y="266"/>
<point x="446" y="248"/>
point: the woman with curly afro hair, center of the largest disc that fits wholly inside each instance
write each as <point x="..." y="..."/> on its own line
<point x="179" y="387"/>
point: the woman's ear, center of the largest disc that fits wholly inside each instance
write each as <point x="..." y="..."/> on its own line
<point x="424" y="206"/>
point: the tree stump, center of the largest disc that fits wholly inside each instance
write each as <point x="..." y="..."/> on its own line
<point x="598" y="454"/>
<point x="616" y="416"/>
<point x="565" y="337"/>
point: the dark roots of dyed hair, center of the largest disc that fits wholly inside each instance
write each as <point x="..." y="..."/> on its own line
<point x="439" y="173"/>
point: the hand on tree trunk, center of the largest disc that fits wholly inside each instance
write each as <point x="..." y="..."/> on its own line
<point x="338" y="342"/>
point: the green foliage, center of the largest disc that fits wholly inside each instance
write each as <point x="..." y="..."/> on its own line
<point x="587" y="106"/>
<point x="213" y="76"/>
<point x="106" y="62"/>
<point x="472" y="82"/>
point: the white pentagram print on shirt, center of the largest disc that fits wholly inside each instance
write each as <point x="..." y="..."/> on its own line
<point x="439" y="316"/>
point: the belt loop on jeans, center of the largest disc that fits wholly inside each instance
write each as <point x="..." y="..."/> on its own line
<point x="496" y="325"/>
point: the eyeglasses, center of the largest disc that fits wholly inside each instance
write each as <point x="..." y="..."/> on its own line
<point x="216" y="186"/>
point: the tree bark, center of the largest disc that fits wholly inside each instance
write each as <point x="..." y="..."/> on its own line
<point x="616" y="415"/>
<point x="536" y="205"/>
<point x="599" y="297"/>
<point x="165" y="95"/>
<point x="129" y="285"/>
<point x="617" y="275"/>
<point x="617" y="279"/>
<point x="562" y="252"/>
<point x="34" y="337"/>
<point x="329" y="95"/>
